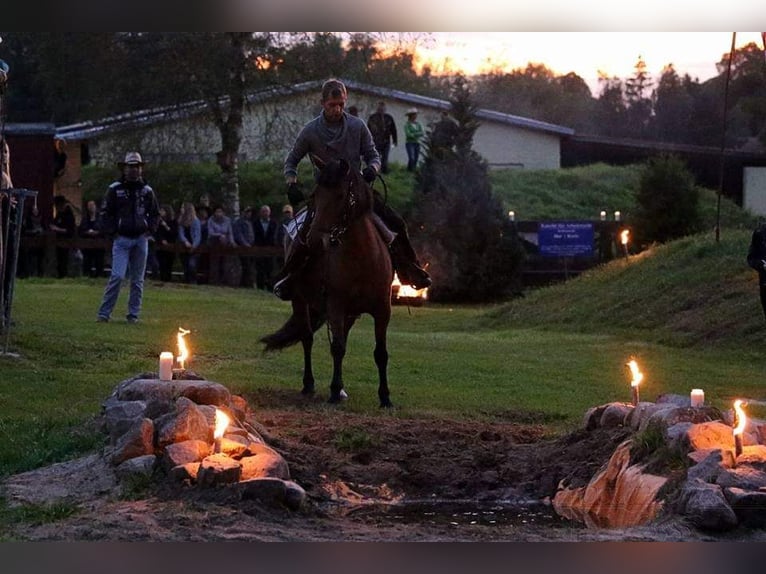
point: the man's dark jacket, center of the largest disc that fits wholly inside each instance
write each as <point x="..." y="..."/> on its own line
<point x="130" y="209"/>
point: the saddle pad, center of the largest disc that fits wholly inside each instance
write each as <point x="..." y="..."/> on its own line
<point x="295" y="224"/>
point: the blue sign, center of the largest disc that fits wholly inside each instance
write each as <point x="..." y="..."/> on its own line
<point x="565" y="238"/>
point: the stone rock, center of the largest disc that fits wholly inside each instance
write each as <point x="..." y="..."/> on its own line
<point x="138" y="467"/>
<point x="138" y="441"/>
<point x="295" y="496"/>
<point x="240" y="407"/>
<point x="264" y="489"/>
<point x="749" y="506"/>
<point x="667" y="415"/>
<point x="677" y="436"/>
<point x="184" y="452"/>
<point x="184" y="472"/>
<point x="614" y="415"/>
<point x="592" y="417"/>
<point x="742" y="476"/>
<point x="712" y="434"/>
<point x="680" y="401"/>
<point x="705" y="506"/>
<point x="218" y="469"/>
<point x="264" y="464"/>
<point x="639" y="413"/>
<point x="709" y="464"/>
<point x="148" y="389"/>
<point x="753" y="456"/>
<point x="187" y="423"/>
<point x="235" y="447"/>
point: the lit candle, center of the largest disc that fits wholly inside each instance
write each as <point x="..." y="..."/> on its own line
<point x="697" y="398"/>
<point x="617" y="215"/>
<point x="741" y="422"/>
<point x="638" y="376"/>
<point x="166" y="366"/>
<point x="221" y="423"/>
<point x="603" y="215"/>
<point x="512" y="215"/>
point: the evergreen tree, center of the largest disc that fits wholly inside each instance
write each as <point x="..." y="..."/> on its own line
<point x="472" y="249"/>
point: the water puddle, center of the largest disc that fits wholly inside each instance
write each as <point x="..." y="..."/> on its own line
<point x="460" y="513"/>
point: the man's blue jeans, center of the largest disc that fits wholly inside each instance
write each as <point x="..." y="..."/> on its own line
<point x="128" y="260"/>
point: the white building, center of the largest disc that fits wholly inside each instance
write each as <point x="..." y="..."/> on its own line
<point x="274" y="116"/>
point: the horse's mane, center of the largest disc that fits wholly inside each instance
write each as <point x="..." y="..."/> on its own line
<point x="337" y="173"/>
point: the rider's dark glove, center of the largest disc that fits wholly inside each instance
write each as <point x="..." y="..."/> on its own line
<point x="294" y="193"/>
<point x="369" y="174"/>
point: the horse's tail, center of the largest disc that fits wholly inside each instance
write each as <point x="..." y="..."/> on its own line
<point x="291" y="332"/>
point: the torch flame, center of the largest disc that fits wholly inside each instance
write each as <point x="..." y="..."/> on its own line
<point x="221" y="422"/>
<point x="183" y="351"/>
<point x="407" y="290"/>
<point x="624" y="234"/>
<point x="638" y="376"/>
<point x="741" y="418"/>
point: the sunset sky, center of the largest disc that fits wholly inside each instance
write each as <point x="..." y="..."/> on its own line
<point x="585" y="53"/>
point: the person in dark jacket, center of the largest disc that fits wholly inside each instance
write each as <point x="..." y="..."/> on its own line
<point x="64" y="226"/>
<point x="756" y="258"/>
<point x="383" y="130"/>
<point x="90" y="228"/>
<point x="264" y="234"/>
<point x="164" y="239"/>
<point x="130" y="213"/>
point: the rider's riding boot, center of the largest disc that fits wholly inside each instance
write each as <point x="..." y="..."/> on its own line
<point x="296" y="260"/>
<point x="403" y="256"/>
<point x="406" y="263"/>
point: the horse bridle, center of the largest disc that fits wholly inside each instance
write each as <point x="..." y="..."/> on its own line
<point x="338" y="230"/>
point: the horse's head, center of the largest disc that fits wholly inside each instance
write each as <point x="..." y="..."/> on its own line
<point x="340" y="197"/>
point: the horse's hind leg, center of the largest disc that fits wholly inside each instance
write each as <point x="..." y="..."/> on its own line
<point x="381" y="359"/>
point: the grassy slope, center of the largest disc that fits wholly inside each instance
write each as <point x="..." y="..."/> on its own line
<point x="690" y="292"/>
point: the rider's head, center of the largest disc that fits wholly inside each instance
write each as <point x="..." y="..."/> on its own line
<point x="334" y="98"/>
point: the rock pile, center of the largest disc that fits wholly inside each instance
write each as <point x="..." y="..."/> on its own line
<point x="165" y="429"/>
<point x="719" y="491"/>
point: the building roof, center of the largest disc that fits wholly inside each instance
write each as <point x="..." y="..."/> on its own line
<point x="29" y="129"/>
<point x="153" y="116"/>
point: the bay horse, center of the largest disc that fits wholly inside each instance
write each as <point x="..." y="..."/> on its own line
<point x="348" y="274"/>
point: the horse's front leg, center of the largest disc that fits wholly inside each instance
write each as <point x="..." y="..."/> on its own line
<point x="381" y="357"/>
<point x="308" y="373"/>
<point x="339" y="333"/>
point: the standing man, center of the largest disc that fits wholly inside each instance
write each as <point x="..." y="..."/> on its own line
<point x="265" y="235"/>
<point x="243" y="236"/>
<point x="332" y="135"/>
<point x="383" y="130"/>
<point x="756" y="258"/>
<point x="130" y="214"/>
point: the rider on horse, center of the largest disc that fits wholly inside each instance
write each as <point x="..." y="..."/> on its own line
<point x="334" y="134"/>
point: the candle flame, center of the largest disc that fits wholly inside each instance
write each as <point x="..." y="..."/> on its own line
<point x="638" y="376"/>
<point x="741" y="418"/>
<point x="624" y="235"/>
<point x="183" y="350"/>
<point x="221" y="422"/>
